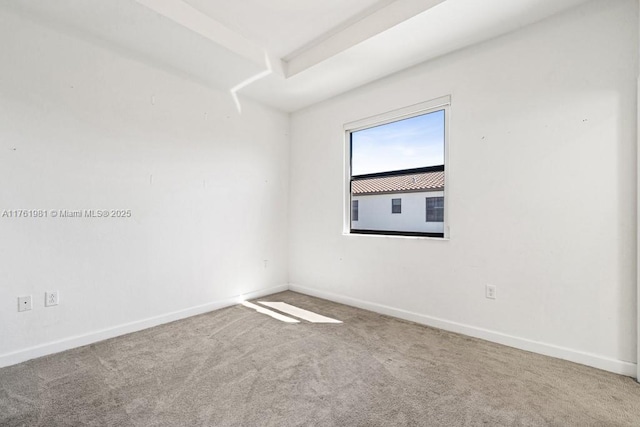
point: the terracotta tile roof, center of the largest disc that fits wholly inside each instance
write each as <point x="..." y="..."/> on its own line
<point x="399" y="183"/>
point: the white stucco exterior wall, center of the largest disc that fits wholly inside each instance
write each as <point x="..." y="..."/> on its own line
<point x="374" y="212"/>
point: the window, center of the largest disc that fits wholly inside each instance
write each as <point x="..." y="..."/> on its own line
<point x="396" y="206"/>
<point x="435" y="209"/>
<point x="398" y="156"/>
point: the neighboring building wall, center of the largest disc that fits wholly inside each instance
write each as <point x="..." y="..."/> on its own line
<point x="374" y="212"/>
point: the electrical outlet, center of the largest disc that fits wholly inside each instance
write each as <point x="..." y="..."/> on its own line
<point x="490" y="291"/>
<point x="25" y="303"/>
<point x="51" y="298"/>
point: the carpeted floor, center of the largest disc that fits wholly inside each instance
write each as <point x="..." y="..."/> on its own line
<point x="236" y="367"/>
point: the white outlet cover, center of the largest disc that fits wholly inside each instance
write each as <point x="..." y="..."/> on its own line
<point x="25" y="303"/>
<point x="51" y="298"/>
<point x="491" y="292"/>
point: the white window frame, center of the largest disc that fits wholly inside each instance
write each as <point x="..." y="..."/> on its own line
<point x="442" y="103"/>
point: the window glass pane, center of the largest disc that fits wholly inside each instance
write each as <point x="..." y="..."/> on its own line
<point x="396" y="205"/>
<point x="410" y="143"/>
<point x="435" y="209"/>
<point x="402" y="161"/>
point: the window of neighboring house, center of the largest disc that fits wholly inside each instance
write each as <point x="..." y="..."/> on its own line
<point x="399" y="155"/>
<point x="396" y="206"/>
<point x="435" y="209"/>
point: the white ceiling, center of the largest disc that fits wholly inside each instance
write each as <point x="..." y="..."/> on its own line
<point x="316" y="49"/>
<point x="283" y="26"/>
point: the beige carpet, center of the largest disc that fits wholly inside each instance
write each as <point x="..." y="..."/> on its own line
<point x="236" y="367"/>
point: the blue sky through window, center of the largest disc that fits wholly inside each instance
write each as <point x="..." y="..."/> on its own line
<point x="410" y="143"/>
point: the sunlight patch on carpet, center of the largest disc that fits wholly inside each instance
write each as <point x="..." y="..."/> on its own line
<point x="301" y="313"/>
<point x="271" y="313"/>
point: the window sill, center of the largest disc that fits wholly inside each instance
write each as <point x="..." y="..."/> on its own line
<point x="395" y="236"/>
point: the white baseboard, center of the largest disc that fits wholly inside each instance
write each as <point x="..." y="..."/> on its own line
<point x="19" y="356"/>
<point x="584" y="358"/>
<point x="577" y="356"/>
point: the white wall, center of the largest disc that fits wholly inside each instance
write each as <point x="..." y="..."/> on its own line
<point x="374" y="212"/>
<point x="542" y="193"/>
<point x="82" y="127"/>
<point x="638" y="217"/>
